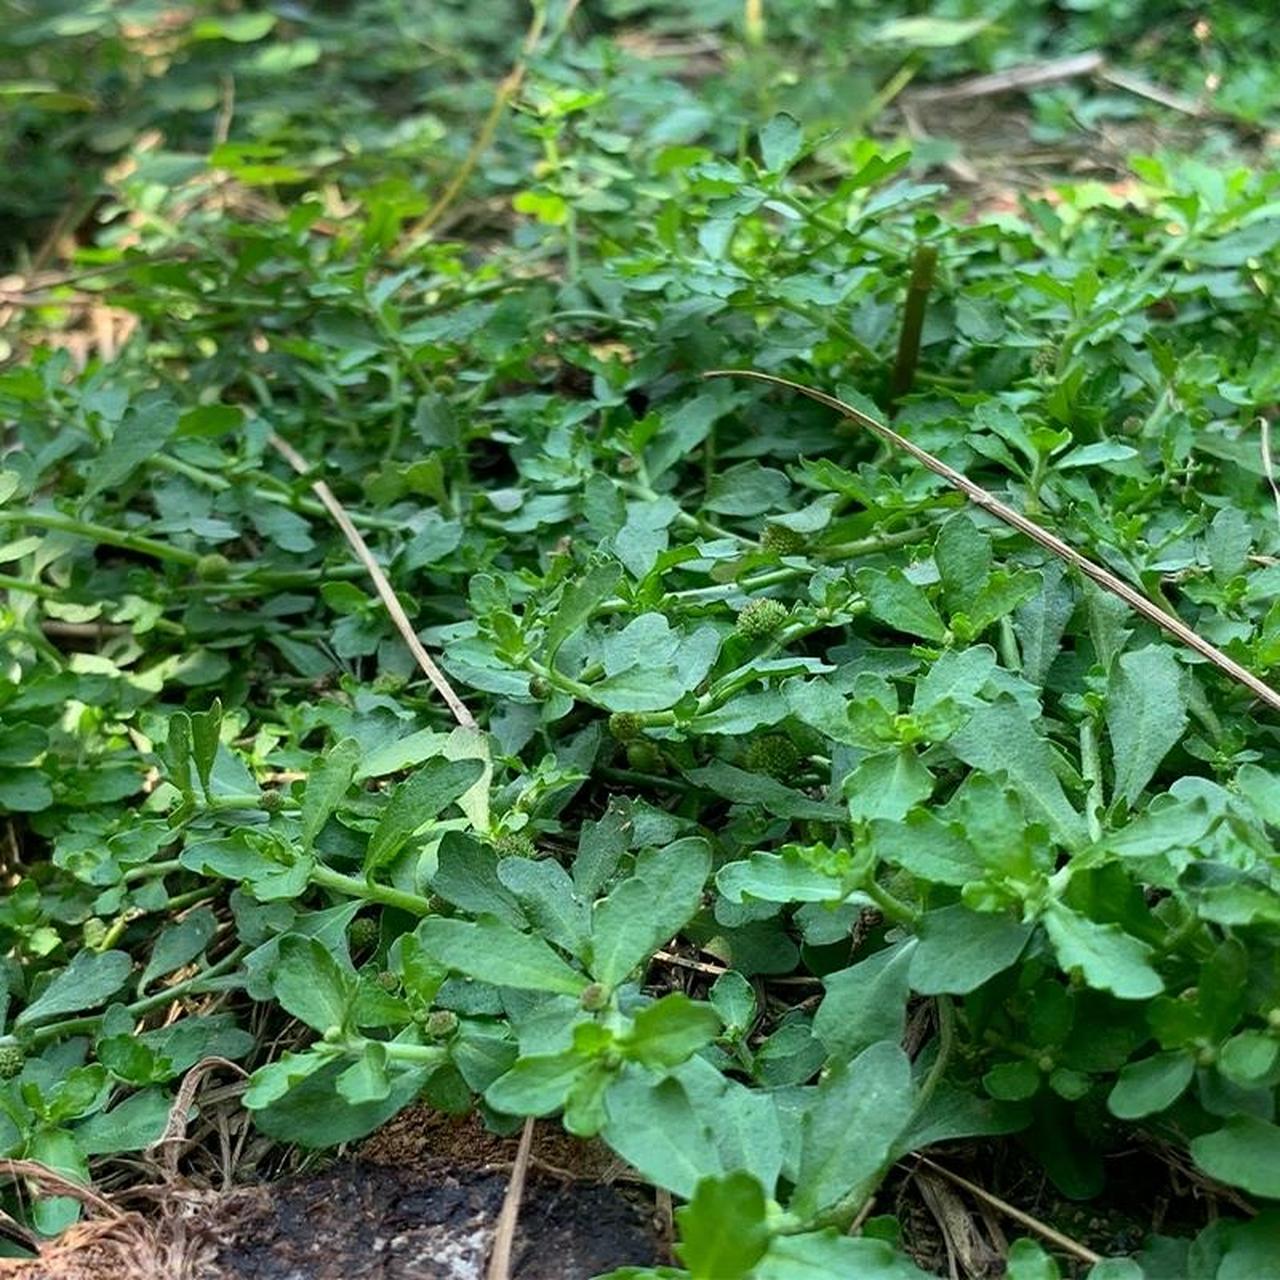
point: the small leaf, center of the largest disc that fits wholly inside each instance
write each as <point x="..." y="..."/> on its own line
<point x="326" y="785"/>
<point x="1150" y="1085"/>
<point x="144" y="430"/>
<point x="577" y="605"/>
<point x="780" y="141"/>
<point x="309" y="984"/>
<point x="723" y="1232"/>
<point x="850" y="1127"/>
<point x="959" y="949"/>
<point x="670" y="1030"/>
<point x="87" y="982"/>
<point x="1109" y="958"/>
<point x="865" y="1003"/>
<point x="179" y="944"/>
<point x="900" y="603"/>
<point x="414" y="803"/>
<point x="887" y="785"/>
<point x="1244" y="1153"/>
<point x="538" y="1084"/>
<point x="205" y="728"/>
<point x="1146" y="715"/>
<point x="497" y="953"/>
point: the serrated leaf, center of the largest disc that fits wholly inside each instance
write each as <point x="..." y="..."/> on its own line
<point x="900" y="603"/>
<point x="416" y="802"/>
<point x="1109" y="958"/>
<point x="87" y="982"/>
<point x="959" y="949"/>
<point x="723" y="1232"/>
<point x="668" y="1031"/>
<point x="1146" y="715"/>
<point x="309" y="984"/>
<point x="865" y="1003"/>
<point x="326" y="785"/>
<point x="780" y="141"/>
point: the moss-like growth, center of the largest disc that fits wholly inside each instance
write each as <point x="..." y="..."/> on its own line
<point x="12" y="1057"/>
<point x="213" y="568"/>
<point x="363" y="933"/>
<point x="781" y="541"/>
<point x="761" y="617"/>
<point x="625" y="726"/>
<point x="774" y="755"/>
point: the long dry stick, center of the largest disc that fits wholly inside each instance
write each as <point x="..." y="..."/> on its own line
<point x="1079" y="1251"/>
<point x="505" y="1234"/>
<point x="989" y="502"/>
<point x="386" y="593"/>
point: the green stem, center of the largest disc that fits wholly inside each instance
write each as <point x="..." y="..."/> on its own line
<point x="1091" y="769"/>
<point x="892" y="908"/>
<point x="913" y="314"/>
<point x="137" y="542"/>
<point x="37" y="589"/>
<point x="353" y="887"/>
<point x="90" y="1022"/>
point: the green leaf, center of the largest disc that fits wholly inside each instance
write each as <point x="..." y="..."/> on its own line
<point x="723" y="1232"/>
<point x="1028" y="1261"/>
<point x="308" y="983"/>
<point x="416" y="802"/>
<point x="963" y="555"/>
<point x="781" y="139"/>
<point x="928" y="32"/>
<point x="145" y="429"/>
<point x="1109" y="958"/>
<point x="864" y="1003"/>
<point x="655" y="1130"/>
<point x="131" y="1125"/>
<point x="648" y="909"/>
<point x="327" y="783"/>
<point x="1146" y="715"/>
<point x="577" y="605"/>
<point x="926" y="847"/>
<point x="205" y="728"/>
<point x="779" y="877"/>
<point x="1001" y="737"/>
<point x="755" y="789"/>
<point x="747" y="489"/>
<point x="668" y="1031"/>
<point x="538" y="1084"/>
<point x="959" y="949"/>
<point x="900" y="603"/>
<point x="179" y="944"/>
<point x="850" y="1127"/>
<point x="734" y="999"/>
<point x="1249" y="1058"/>
<point x="497" y="953"/>
<point x="87" y="982"/>
<point x="1244" y="1153"/>
<point x="1149" y="1085"/>
<point x="546" y="894"/>
<point x="828" y="1255"/>
<point x="366" y="1080"/>
<point x="887" y="786"/>
<point x="467" y="876"/>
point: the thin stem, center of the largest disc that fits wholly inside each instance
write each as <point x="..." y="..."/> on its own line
<point x="102" y="533"/>
<point x="353" y="887"/>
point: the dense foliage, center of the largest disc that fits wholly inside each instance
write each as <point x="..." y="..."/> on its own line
<point x="887" y="772"/>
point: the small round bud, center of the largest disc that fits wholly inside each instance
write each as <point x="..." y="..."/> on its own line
<point x="213" y="567"/>
<point x="1045" y="1063"/>
<point x="441" y="1024"/>
<point x="1131" y="425"/>
<point x="594" y="998"/>
<point x="94" y="932"/>
<point x="11" y="1059"/>
<point x="773" y="754"/>
<point x="442" y="383"/>
<point x="1206" y="1055"/>
<point x="626" y="726"/>
<point x="363" y="933"/>
<point x="761" y="617"/>
<point x="781" y="541"/>
<point x="1044" y="359"/>
<point x="1273" y="1019"/>
<point x="390" y="682"/>
<point x="332" y="1035"/>
<point x="540" y="688"/>
<point x="515" y="844"/>
<point x="271" y="802"/>
<point x="644" y="757"/>
<point x="387" y="980"/>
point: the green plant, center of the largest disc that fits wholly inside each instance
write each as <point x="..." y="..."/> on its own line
<point x="746" y="682"/>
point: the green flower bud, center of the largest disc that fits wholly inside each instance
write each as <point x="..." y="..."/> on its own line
<point x="213" y="567"/>
<point x="363" y="933"/>
<point x="761" y="617"/>
<point x="387" y="980"/>
<point x="271" y="802"/>
<point x="442" y="383"/>
<point x="644" y="757"/>
<point x="441" y="1024"/>
<point x="94" y="932"/>
<point x="12" y="1057"/>
<point x="594" y="998"/>
<point x="780" y="540"/>
<point x="332" y="1035"/>
<point x="626" y="726"/>
<point x="390" y="682"/>
<point x="540" y="688"/>
<point x="773" y="754"/>
<point x="1044" y="359"/>
<point x="515" y="844"/>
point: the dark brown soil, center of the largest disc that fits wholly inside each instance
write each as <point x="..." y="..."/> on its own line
<point x="366" y="1220"/>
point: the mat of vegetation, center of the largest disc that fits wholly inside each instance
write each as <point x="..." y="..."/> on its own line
<point x="793" y="816"/>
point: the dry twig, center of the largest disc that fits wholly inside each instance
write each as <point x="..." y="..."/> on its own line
<point x="505" y="1233"/>
<point x="1051" y="542"/>
<point x="386" y="593"/>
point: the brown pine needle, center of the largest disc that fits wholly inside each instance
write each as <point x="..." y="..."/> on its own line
<point x="386" y="593"/>
<point x="989" y="502"/>
<point x="505" y="1233"/>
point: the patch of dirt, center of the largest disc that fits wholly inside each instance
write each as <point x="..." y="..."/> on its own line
<point x="419" y="1200"/>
